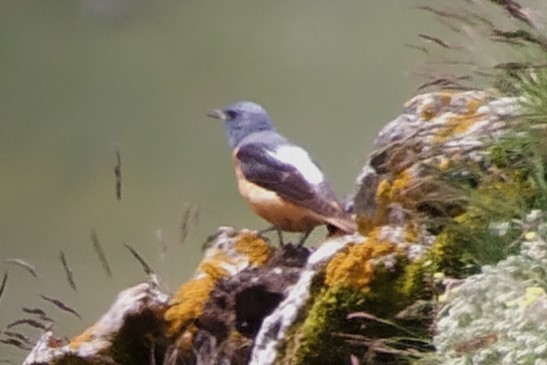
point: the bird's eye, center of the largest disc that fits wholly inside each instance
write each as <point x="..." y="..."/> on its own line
<point x="231" y="113"/>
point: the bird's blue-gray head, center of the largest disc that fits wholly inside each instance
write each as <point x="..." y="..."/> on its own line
<point x="242" y="119"/>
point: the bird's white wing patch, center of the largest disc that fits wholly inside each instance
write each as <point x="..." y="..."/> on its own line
<point x="300" y="159"/>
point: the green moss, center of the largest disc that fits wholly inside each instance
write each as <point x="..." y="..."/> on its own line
<point x="395" y="291"/>
<point x="391" y="290"/>
<point x="448" y="255"/>
<point x="318" y="338"/>
<point x="416" y="281"/>
<point x="315" y="341"/>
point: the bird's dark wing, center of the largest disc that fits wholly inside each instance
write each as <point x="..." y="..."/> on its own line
<point x="264" y="169"/>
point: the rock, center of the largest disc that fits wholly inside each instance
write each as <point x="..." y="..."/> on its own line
<point x="434" y="204"/>
<point x="123" y="334"/>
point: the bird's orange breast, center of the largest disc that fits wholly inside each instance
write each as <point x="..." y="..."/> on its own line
<point x="271" y="207"/>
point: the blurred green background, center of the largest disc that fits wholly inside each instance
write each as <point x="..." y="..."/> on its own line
<point x="82" y="78"/>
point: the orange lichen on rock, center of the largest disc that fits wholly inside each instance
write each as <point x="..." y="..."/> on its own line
<point x="393" y="190"/>
<point x="187" y="304"/>
<point x="215" y="268"/>
<point x="384" y="191"/>
<point x="353" y="267"/>
<point x="428" y="111"/>
<point x="431" y="107"/>
<point x="397" y="189"/>
<point x="231" y="254"/>
<point x="458" y="124"/>
<point x="254" y="247"/>
<point x="389" y="191"/>
<point x="474" y="104"/>
<point x="84" y="337"/>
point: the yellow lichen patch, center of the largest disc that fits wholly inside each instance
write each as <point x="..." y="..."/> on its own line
<point x="474" y="105"/>
<point x="354" y="267"/>
<point x="431" y="107"/>
<point x="399" y="187"/>
<point x="220" y="262"/>
<point x="389" y="191"/>
<point x="214" y="269"/>
<point x="254" y="248"/>
<point x="82" y="338"/>
<point x="443" y="163"/>
<point x="187" y="304"/>
<point x="394" y="190"/>
<point x="382" y="199"/>
<point x="428" y="110"/>
<point x="446" y="97"/>
<point x="455" y="126"/>
<point x="383" y="192"/>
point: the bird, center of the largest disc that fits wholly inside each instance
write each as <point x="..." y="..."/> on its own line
<point x="278" y="179"/>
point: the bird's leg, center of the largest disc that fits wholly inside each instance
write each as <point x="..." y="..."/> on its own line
<point x="273" y="228"/>
<point x="280" y="236"/>
<point x="303" y="238"/>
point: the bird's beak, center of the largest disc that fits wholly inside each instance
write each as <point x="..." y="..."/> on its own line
<point x="217" y="114"/>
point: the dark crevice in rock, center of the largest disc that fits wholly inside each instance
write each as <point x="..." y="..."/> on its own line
<point x="239" y="304"/>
